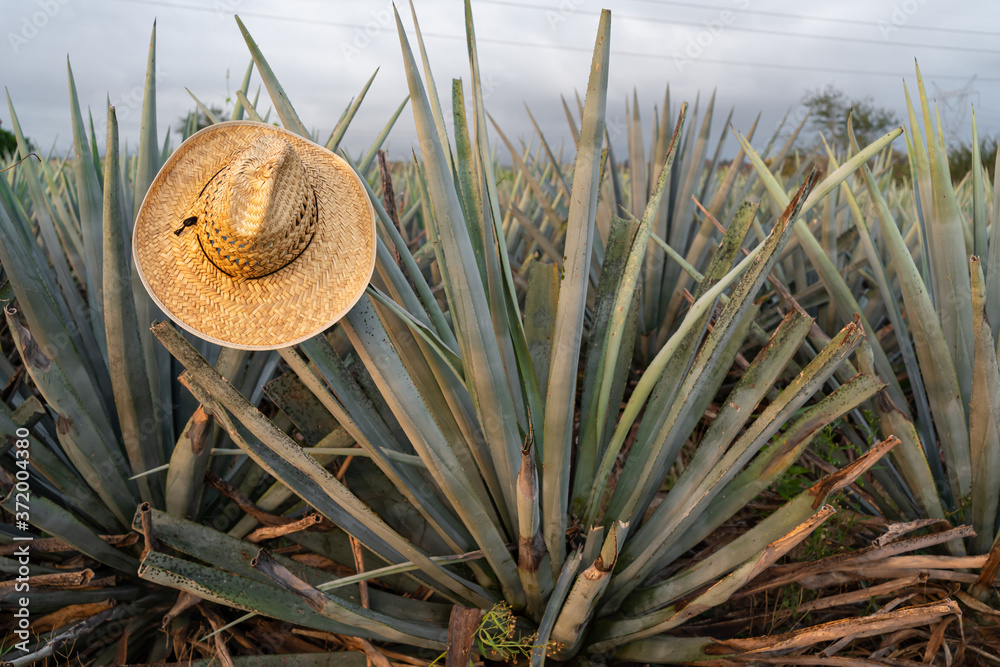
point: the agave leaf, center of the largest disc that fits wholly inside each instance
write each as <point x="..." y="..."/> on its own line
<point x="780" y="522"/>
<point x="465" y="172"/>
<point x="537" y="236"/>
<point x="57" y="522"/>
<point x="444" y="392"/>
<point x="277" y="454"/>
<point x="279" y="99"/>
<point x="209" y="114"/>
<point x="46" y="312"/>
<point x="939" y="374"/>
<point x="572" y="122"/>
<point x="89" y="202"/>
<point x="388" y="229"/>
<point x="59" y="474"/>
<point x="700" y="244"/>
<point x="369" y="157"/>
<point x="94" y="155"/>
<point x="542" y="197"/>
<point x="656" y="367"/>
<point x="616" y="632"/>
<point x="685" y="650"/>
<point x="979" y="219"/>
<point x="139" y="421"/>
<point x="628" y="498"/>
<point x="608" y="164"/>
<point x="993" y="261"/>
<point x="209" y="545"/>
<point x="711" y="165"/>
<point x="338" y="132"/>
<point x="984" y="419"/>
<point x="57" y="208"/>
<point x="664" y="399"/>
<point x="191" y="455"/>
<point x="358" y="417"/>
<point x="828" y="239"/>
<point x="470" y="307"/>
<point x="453" y="390"/>
<point x="336" y="443"/>
<point x="248" y="106"/>
<point x="659" y="151"/>
<point x="373" y="530"/>
<point x="828" y="274"/>
<point x="638" y="175"/>
<point x="654" y="262"/>
<point x="580" y="605"/>
<point x="85" y="435"/>
<point x="237" y="557"/>
<point x="215" y="585"/>
<point x="773" y="461"/>
<point x="573" y="286"/>
<point x="447" y="355"/>
<point x="736" y="411"/>
<point x="539" y="316"/>
<point x="409" y="408"/>
<point x="609" y="335"/>
<point x="589" y="450"/>
<point x="895" y="318"/>
<point x="148" y="162"/>
<point x="555" y="605"/>
<point x="949" y="249"/>
<point x="779" y="156"/>
<point x="644" y="551"/>
<point x="910" y="459"/>
<point x="682" y="217"/>
<point x="507" y="322"/>
<point x="553" y="160"/>
<point x="432" y="94"/>
<point x="532" y="556"/>
<point x="239" y="107"/>
<point x="54" y="246"/>
<point x="188" y="462"/>
<point x="356" y="616"/>
<point x="10" y="566"/>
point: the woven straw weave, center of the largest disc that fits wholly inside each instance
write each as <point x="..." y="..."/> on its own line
<point x="303" y="297"/>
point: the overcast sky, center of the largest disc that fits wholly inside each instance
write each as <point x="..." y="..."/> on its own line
<point x="760" y="55"/>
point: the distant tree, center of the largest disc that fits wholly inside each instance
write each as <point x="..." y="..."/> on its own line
<point x="200" y="120"/>
<point x="960" y="157"/>
<point x="8" y="143"/>
<point x="828" y="111"/>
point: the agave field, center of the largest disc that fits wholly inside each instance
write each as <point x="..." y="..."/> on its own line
<point x="649" y="408"/>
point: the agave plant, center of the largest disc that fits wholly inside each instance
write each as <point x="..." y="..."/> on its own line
<point x="441" y="440"/>
<point x="929" y="277"/>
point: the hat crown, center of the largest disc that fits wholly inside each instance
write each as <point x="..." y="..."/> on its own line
<point x="259" y="212"/>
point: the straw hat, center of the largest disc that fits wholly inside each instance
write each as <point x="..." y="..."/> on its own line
<point x="253" y="237"/>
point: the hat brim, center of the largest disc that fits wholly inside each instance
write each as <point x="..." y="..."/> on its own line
<point x="278" y="310"/>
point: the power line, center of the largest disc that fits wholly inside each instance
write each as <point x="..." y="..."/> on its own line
<point x="557" y="47"/>
<point x="761" y="31"/>
<point x="822" y="19"/>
